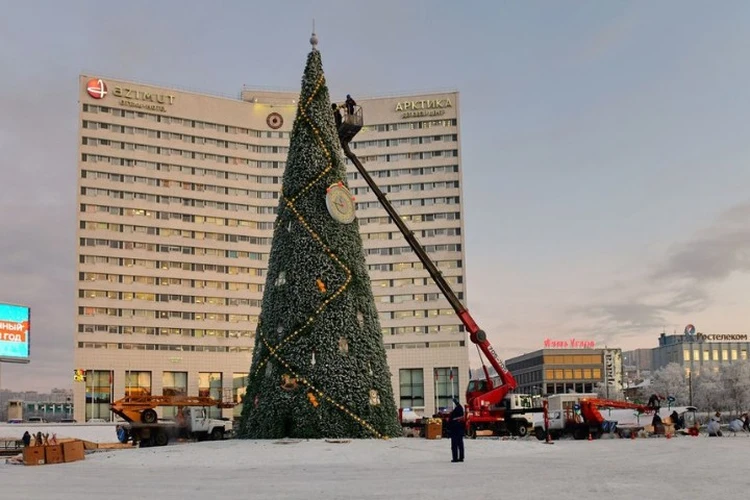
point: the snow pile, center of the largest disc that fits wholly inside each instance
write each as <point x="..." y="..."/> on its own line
<point x="681" y="467"/>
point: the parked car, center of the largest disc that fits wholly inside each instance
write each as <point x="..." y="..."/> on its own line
<point x="36" y="420"/>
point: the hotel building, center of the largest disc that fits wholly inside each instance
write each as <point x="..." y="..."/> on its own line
<point x="177" y="196"/>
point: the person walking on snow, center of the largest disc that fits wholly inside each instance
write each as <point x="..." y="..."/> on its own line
<point x="456" y="431"/>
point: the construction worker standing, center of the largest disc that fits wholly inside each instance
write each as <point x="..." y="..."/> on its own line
<point x="456" y="431"/>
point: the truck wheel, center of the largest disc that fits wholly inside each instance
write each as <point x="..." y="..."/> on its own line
<point x="161" y="438"/>
<point x="472" y="431"/>
<point x="148" y="416"/>
<point x="540" y="434"/>
<point x="522" y="429"/>
<point x="123" y="435"/>
<point x="217" y="434"/>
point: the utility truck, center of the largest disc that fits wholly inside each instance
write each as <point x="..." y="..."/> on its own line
<point x="579" y="415"/>
<point x="142" y="426"/>
<point x="192" y="423"/>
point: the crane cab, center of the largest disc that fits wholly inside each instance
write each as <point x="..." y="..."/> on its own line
<point x="351" y="124"/>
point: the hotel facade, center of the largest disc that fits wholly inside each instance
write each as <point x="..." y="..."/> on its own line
<point x="177" y="197"/>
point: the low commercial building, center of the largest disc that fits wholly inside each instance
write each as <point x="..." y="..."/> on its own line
<point x="559" y="370"/>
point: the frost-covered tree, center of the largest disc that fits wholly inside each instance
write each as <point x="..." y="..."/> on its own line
<point x="708" y="391"/>
<point x="736" y="386"/>
<point x="670" y="381"/>
<point x="319" y="367"/>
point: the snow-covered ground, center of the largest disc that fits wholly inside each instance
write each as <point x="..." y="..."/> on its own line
<point x="678" y="468"/>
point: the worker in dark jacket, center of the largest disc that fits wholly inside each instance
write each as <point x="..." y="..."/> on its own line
<point x="336" y="115"/>
<point x="456" y="431"/>
<point x="654" y="401"/>
<point x="350" y="103"/>
<point x="26" y="439"/>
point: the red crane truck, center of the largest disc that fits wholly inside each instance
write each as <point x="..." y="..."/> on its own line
<point x="484" y="404"/>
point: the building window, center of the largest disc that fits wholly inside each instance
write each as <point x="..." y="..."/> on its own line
<point x="724" y="355"/>
<point x="734" y="354"/>
<point x="715" y="355"/>
<point x="98" y="394"/>
<point x="696" y="355"/>
<point x="411" y="384"/>
<point x="173" y="384"/>
<point x="239" y="386"/>
<point x="209" y="386"/>
<point x="705" y="356"/>
<point x="686" y="354"/>
<point x="447" y="386"/>
<point x="137" y="383"/>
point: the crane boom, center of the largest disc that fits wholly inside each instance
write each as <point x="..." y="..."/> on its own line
<point x="349" y="128"/>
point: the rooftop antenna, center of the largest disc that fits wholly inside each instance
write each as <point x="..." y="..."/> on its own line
<point x="314" y="37"/>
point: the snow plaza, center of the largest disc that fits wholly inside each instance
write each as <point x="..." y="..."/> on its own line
<point x="679" y="468"/>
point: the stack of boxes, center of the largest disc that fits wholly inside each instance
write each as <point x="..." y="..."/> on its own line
<point x="69" y="451"/>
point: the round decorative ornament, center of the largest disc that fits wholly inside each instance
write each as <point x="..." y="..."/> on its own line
<point x="274" y="120"/>
<point x="340" y="203"/>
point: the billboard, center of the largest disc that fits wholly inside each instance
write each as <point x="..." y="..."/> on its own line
<point x="14" y="333"/>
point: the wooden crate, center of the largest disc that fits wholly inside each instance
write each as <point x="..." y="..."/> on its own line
<point x="73" y="451"/>
<point x="33" y="455"/>
<point x="433" y="430"/>
<point x="53" y="454"/>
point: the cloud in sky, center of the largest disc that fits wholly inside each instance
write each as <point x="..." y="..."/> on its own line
<point x="680" y="283"/>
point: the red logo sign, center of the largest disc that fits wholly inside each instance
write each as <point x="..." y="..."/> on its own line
<point x="96" y="88"/>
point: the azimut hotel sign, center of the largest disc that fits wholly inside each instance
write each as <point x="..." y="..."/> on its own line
<point x="130" y="97"/>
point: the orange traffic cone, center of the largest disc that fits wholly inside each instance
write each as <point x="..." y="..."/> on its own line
<point x="632" y="434"/>
<point x="590" y="438"/>
<point x="669" y="436"/>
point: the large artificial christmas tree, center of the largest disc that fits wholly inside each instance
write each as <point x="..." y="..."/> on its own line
<point x="319" y="367"/>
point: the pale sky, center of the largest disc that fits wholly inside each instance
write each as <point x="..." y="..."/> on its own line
<point x="604" y="146"/>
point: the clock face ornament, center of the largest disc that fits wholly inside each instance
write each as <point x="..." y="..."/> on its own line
<point x="340" y="203"/>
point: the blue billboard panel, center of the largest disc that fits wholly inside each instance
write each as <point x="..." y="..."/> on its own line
<point x="14" y="333"/>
